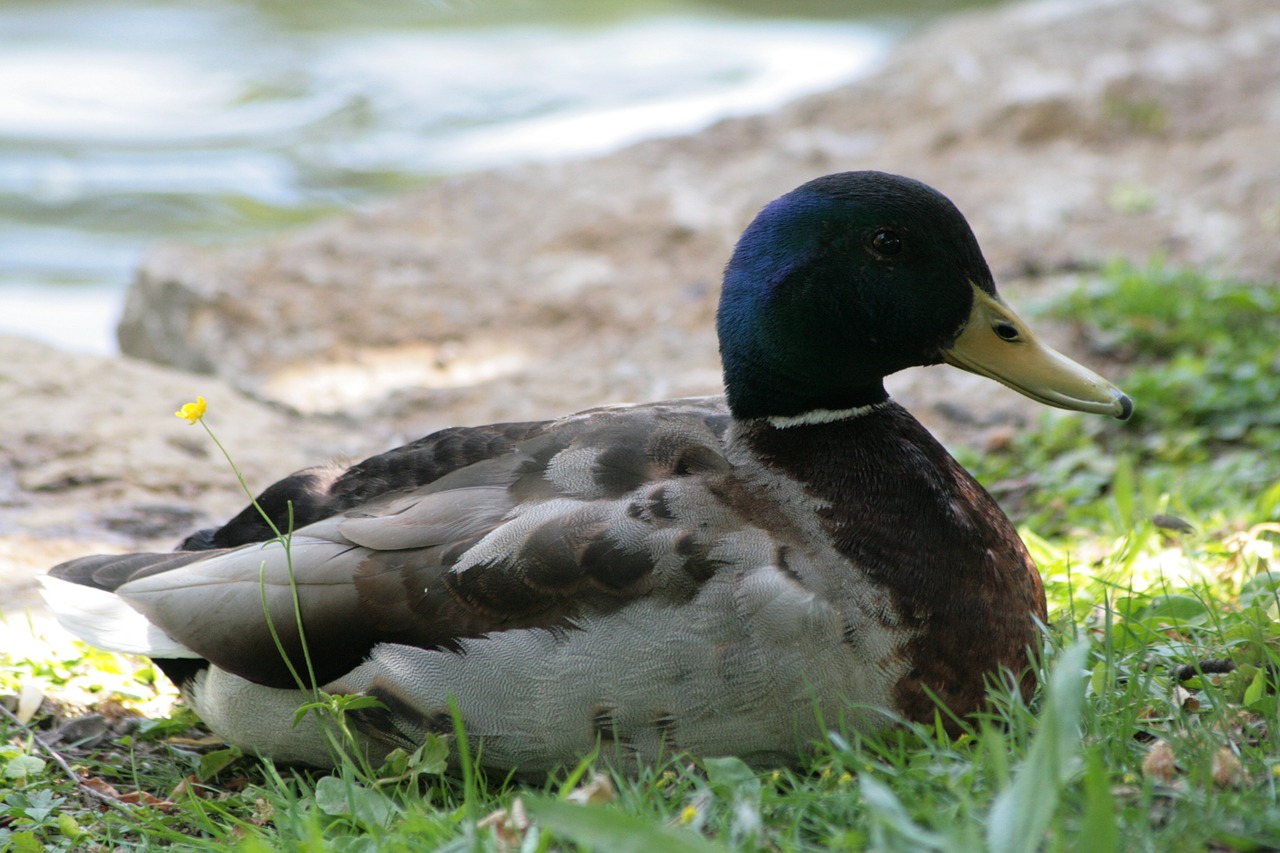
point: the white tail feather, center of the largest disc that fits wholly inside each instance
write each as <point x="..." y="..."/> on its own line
<point x="103" y="619"/>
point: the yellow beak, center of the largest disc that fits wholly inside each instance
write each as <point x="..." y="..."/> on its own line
<point x="996" y="343"/>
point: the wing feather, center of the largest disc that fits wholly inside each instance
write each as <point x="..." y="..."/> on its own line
<point x="455" y="536"/>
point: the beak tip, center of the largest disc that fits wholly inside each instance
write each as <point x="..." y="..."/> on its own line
<point x="1126" y="406"/>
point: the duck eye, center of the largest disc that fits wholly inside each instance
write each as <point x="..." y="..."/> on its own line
<point x="1006" y="331"/>
<point x="886" y="242"/>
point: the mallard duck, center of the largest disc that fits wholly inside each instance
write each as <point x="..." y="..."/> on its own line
<point x="714" y="576"/>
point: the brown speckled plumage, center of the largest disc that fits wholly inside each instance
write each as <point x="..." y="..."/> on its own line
<point x="904" y="513"/>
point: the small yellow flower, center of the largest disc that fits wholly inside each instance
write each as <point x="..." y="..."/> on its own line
<point x="192" y="412"/>
<point x="688" y="814"/>
<point x="845" y="778"/>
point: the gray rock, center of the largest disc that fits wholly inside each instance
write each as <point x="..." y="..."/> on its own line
<point x="93" y="459"/>
<point x="1071" y="133"/>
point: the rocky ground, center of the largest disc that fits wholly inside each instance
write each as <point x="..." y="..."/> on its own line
<point x="1070" y="133"/>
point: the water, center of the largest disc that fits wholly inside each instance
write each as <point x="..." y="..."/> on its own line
<point x="124" y="123"/>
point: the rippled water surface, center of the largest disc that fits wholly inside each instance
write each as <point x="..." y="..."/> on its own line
<point x="124" y="123"/>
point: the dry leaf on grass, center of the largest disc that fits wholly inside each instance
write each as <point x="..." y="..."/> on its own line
<point x="599" y="789"/>
<point x="509" y="825"/>
<point x="1160" y="764"/>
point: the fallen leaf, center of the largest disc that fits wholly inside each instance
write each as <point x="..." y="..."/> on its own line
<point x="599" y="789"/>
<point x="192" y="786"/>
<point x="28" y="702"/>
<point x="1185" y="699"/>
<point x="1160" y="763"/>
<point x="104" y="788"/>
<point x="510" y="826"/>
<point x="145" y="799"/>
<point x="1226" y="769"/>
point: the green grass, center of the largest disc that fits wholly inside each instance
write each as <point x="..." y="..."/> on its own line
<point x="1154" y="542"/>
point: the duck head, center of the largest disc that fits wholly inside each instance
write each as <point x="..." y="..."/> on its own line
<point x="857" y="275"/>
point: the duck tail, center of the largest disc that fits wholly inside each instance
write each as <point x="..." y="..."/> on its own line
<point x="81" y="595"/>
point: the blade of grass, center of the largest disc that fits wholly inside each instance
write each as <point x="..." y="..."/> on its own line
<point x="1022" y="812"/>
<point x="608" y="829"/>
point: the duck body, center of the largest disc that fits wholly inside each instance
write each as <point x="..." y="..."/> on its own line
<point x="713" y="576"/>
